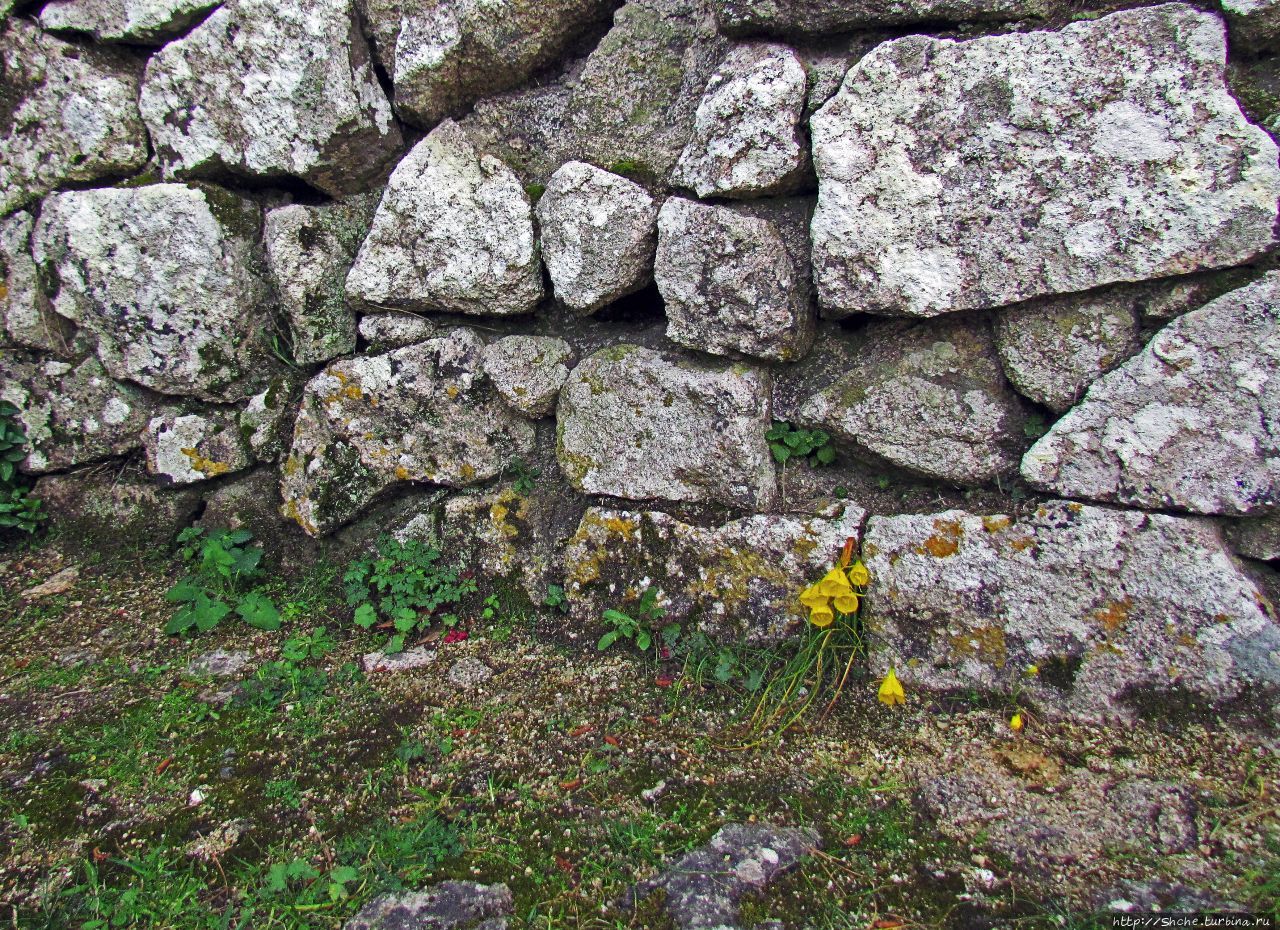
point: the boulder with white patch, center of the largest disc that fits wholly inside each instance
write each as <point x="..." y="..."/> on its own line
<point x="528" y="371"/>
<point x="168" y="278"/>
<point x="454" y="232"/>
<point x="186" y="447"/>
<point x="1084" y="612"/>
<point x="966" y="175"/>
<point x="1189" y="423"/>
<point x="26" y="317"/>
<point x="144" y="22"/>
<point x="599" y="232"/>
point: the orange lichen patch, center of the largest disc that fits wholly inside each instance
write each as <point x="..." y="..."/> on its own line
<point x="291" y="511"/>
<point x="1113" y="616"/>
<point x="945" y="541"/>
<point x="984" y="643"/>
<point x="804" y="545"/>
<point x="452" y="391"/>
<point x="292" y="466"/>
<point x="996" y="523"/>
<point x="468" y="472"/>
<point x="207" y="467"/>
<point x="4" y="290"/>
<point x="1022" y="543"/>
<point x="869" y="550"/>
<point x="1186" y="639"/>
<point x="1074" y="507"/>
<point x="402" y="473"/>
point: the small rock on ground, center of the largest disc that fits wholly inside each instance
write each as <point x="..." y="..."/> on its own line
<point x="219" y="663"/>
<point x="469" y="672"/>
<point x="59" y="583"/>
<point x="445" y="906"/>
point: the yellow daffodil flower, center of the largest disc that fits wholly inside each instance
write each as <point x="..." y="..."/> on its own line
<point x="821" y="616"/>
<point x="1015" y="722"/>
<point x="812" y="597"/>
<point x="834" y="582"/>
<point x="858" y="574"/>
<point x="891" y="692"/>
<point x="846" y="603"/>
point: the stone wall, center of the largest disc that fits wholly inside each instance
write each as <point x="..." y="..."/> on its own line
<point x="533" y="280"/>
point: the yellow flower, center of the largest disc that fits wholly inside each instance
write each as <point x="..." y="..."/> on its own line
<point x="834" y="582"/>
<point x="847" y="603"/>
<point x="821" y="616"/>
<point x="891" y="692"/>
<point x="1015" y="722"/>
<point x="858" y="574"/>
<point x="812" y="597"/>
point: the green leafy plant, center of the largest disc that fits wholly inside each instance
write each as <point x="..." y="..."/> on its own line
<point x="786" y="442"/>
<point x="403" y="586"/>
<point x="221" y="568"/>
<point x="555" y="599"/>
<point x="303" y="646"/>
<point x="18" y="509"/>
<point x="639" y="625"/>
<point x="524" y="478"/>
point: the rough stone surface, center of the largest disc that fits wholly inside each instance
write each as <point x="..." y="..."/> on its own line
<point x="183" y="448"/>
<point x="1254" y="24"/>
<point x="147" y="22"/>
<point x="468" y="673"/>
<point x="169" y="280"/>
<point x="219" y="664"/>
<point x="1121" y="612"/>
<point x="448" y="53"/>
<point x="702" y="888"/>
<point x="740" y="582"/>
<point x="406" y="661"/>
<point x="635" y="100"/>
<point x="272" y="88"/>
<point x="746" y="131"/>
<point x="26" y="317"/>
<point x="395" y="330"/>
<point x="1151" y="895"/>
<point x="599" y="232"/>
<point x="424" y="413"/>
<point x="927" y="397"/>
<point x="454" y="231"/>
<point x="68" y="114"/>
<point x="1080" y="818"/>
<point x="1256" y="537"/>
<point x="309" y="252"/>
<point x="99" y="503"/>
<point x="266" y="416"/>
<point x="528" y="372"/>
<point x="1189" y="423"/>
<point x="72" y="413"/>
<point x="1052" y="350"/>
<point x="1118" y="151"/>
<point x="639" y="424"/>
<point x="445" y="906"/>
<point x="735" y="280"/>
<point x="819" y="18"/>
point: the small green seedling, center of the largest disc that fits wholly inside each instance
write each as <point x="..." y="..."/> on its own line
<point x="787" y="442"/>
<point x="640" y="627"/>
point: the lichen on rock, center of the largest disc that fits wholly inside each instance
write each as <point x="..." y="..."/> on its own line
<point x="184" y="447"/>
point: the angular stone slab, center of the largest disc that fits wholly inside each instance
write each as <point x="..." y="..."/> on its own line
<point x="740" y="581"/>
<point x="309" y="252"/>
<point x="927" y="397"/>
<point x="270" y="89"/>
<point x="640" y="424"/>
<point x="746" y="131"/>
<point x="26" y="317"/>
<point x="821" y="18"/>
<point x="143" y="22"/>
<point x="1052" y="350"/>
<point x="1255" y="24"/>
<point x="1121" y="612"/>
<point x="70" y="114"/>
<point x="1189" y="423"/>
<point x="424" y="413"/>
<point x="187" y="447"/>
<point x="1107" y="151"/>
<point x="451" y="905"/>
<point x="599" y="232"/>
<point x="735" y="280"/>
<point x="528" y="372"/>
<point x="169" y="278"/>
<point x="72" y="413"/>
<point x="96" y="504"/>
<point x="454" y="232"/>
<point x="446" y="54"/>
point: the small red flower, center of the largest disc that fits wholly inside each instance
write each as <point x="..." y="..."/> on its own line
<point x="455" y="636"/>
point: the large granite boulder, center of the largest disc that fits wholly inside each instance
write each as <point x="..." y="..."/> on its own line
<point x="746" y="131"/>
<point x="168" y="278"/>
<point x="425" y="413"/>
<point x="640" y="424"/>
<point x="270" y="89"/>
<point x="1053" y="349"/>
<point x="599" y="232"/>
<point x="72" y="413"/>
<point x="737" y="582"/>
<point x="926" y="397"/>
<point x="735" y="279"/>
<point x="68" y="114"/>
<point x="964" y="175"/>
<point x="443" y="55"/>
<point x="1189" y="423"/>
<point x="454" y="232"/>
<point x="140" y="22"/>
<point x="1081" y="611"/>
<point x="309" y="252"/>
<point x="94" y="504"/>
<point x="26" y="317"/>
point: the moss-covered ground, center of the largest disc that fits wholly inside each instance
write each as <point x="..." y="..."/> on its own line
<point x="134" y="794"/>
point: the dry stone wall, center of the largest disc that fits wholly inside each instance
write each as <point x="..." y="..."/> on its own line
<point x="531" y="281"/>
